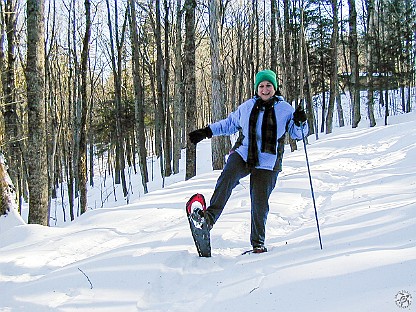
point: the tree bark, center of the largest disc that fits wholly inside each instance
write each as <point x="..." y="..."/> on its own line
<point x="190" y="90"/>
<point x="179" y="101"/>
<point x="370" y="62"/>
<point x="333" y="84"/>
<point x="138" y="99"/>
<point x="167" y="111"/>
<point x="288" y="85"/>
<point x="117" y="72"/>
<point x="160" y="123"/>
<point x="355" y="70"/>
<point x="273" y="36"/>
<point x="7" y="68"/>
<point x="82" y="156"/>
<point x="219" y="144"/>
<point x="309" y="102"/>
<point x="7" y="190"/>
<point x="36" y="149"/>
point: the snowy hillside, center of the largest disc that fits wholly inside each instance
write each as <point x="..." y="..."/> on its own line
<point x="141" y="257"/>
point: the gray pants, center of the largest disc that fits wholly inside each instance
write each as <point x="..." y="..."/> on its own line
<point x="262" y="183"/>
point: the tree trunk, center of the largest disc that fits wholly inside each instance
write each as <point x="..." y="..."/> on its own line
<point x="386" y="106"/>
<point x="7" y="67"/>
<point x="340" y="110"/>
<point x="256" y="60"/>
<point x="355" y="69"/>
<point x="70" y="145"/>
<point x="409" y="60"/>
<point x="166" y="66"/>
<point x="333" y="84"/>
<point x="52" y="127"/>
<point x="138" y="100"/>
<point x="179" y="103"/>
<point x="281" y="68"/>
<point x="288" y="83"/>
<point x="322" y="71"/>
<point x="117" y="71"/>
<point x="160" y="111"/>
<point x="190" y="90"/>
<point x="309" y="102"/>
<point x="249" y="56"/>
<point x="273" y="36"/>
<point x="300" y="59"/>
<point x="82" y="156"/>
<point x="36" y="149"/>
<point x="370" y="62"/>
<point x="75" y="100"/>
<point x="7" y="190"/>
<point x="219" y="144"/>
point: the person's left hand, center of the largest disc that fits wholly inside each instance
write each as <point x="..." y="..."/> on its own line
<point x="299" y="116"/>
<point x="198" y="135"/>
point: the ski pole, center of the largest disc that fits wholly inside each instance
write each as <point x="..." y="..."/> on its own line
<point x="310" y="182"/>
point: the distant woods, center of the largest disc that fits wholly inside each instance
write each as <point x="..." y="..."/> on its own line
<point x="109" y="84"/>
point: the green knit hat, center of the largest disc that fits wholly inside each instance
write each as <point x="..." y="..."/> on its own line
<point x="265" y="75"/>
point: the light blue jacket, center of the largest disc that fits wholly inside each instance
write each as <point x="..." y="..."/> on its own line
<point x="239" y="120"/>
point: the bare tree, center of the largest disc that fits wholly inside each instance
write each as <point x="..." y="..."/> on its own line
<point x="138" y="98"/>
<point x="159" y="111"/>
<point x="52" y="119"/>
<point x="10" y="111"/>
<point x="190" y="90"/>
<point x="179" y="103"/>
<point x="273" y="36"/>
<point x="116" y="65"/>
<point x="7" y="190"/>
<point x="355" y="70"/>
<point x="219" y="144"/>
<point x="165" y="80"/>
<point x="288" y="86"/>
<point x="82" y="156"/>
<point x="370" y="61"/>
<point x="70" y="146"/>
<point x="309" y="102"/>
<point x="333" y="89"/>
<point x="36" y="145"/>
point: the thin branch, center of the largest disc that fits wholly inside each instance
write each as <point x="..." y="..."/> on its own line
<point x="86" y="277"/>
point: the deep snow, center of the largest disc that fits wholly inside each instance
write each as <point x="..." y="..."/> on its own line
<point x="141" y="257"/>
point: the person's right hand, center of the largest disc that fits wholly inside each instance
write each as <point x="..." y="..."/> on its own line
<point x="299" y="116"/>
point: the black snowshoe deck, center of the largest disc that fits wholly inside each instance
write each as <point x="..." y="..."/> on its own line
<point x="199" y="230"/>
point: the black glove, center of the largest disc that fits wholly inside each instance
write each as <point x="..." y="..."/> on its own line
<point x="198" y="135"/>
<point x="299" y="116"/>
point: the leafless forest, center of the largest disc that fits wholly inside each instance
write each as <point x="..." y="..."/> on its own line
<point x="128" y="79"/>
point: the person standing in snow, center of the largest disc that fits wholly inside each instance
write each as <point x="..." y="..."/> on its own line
<point x="263" y="122"/>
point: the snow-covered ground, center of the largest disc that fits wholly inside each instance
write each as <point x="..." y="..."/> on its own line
<point x="141" y="257"/>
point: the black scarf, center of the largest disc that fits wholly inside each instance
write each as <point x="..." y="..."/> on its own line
<point x="268" y="130"/>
